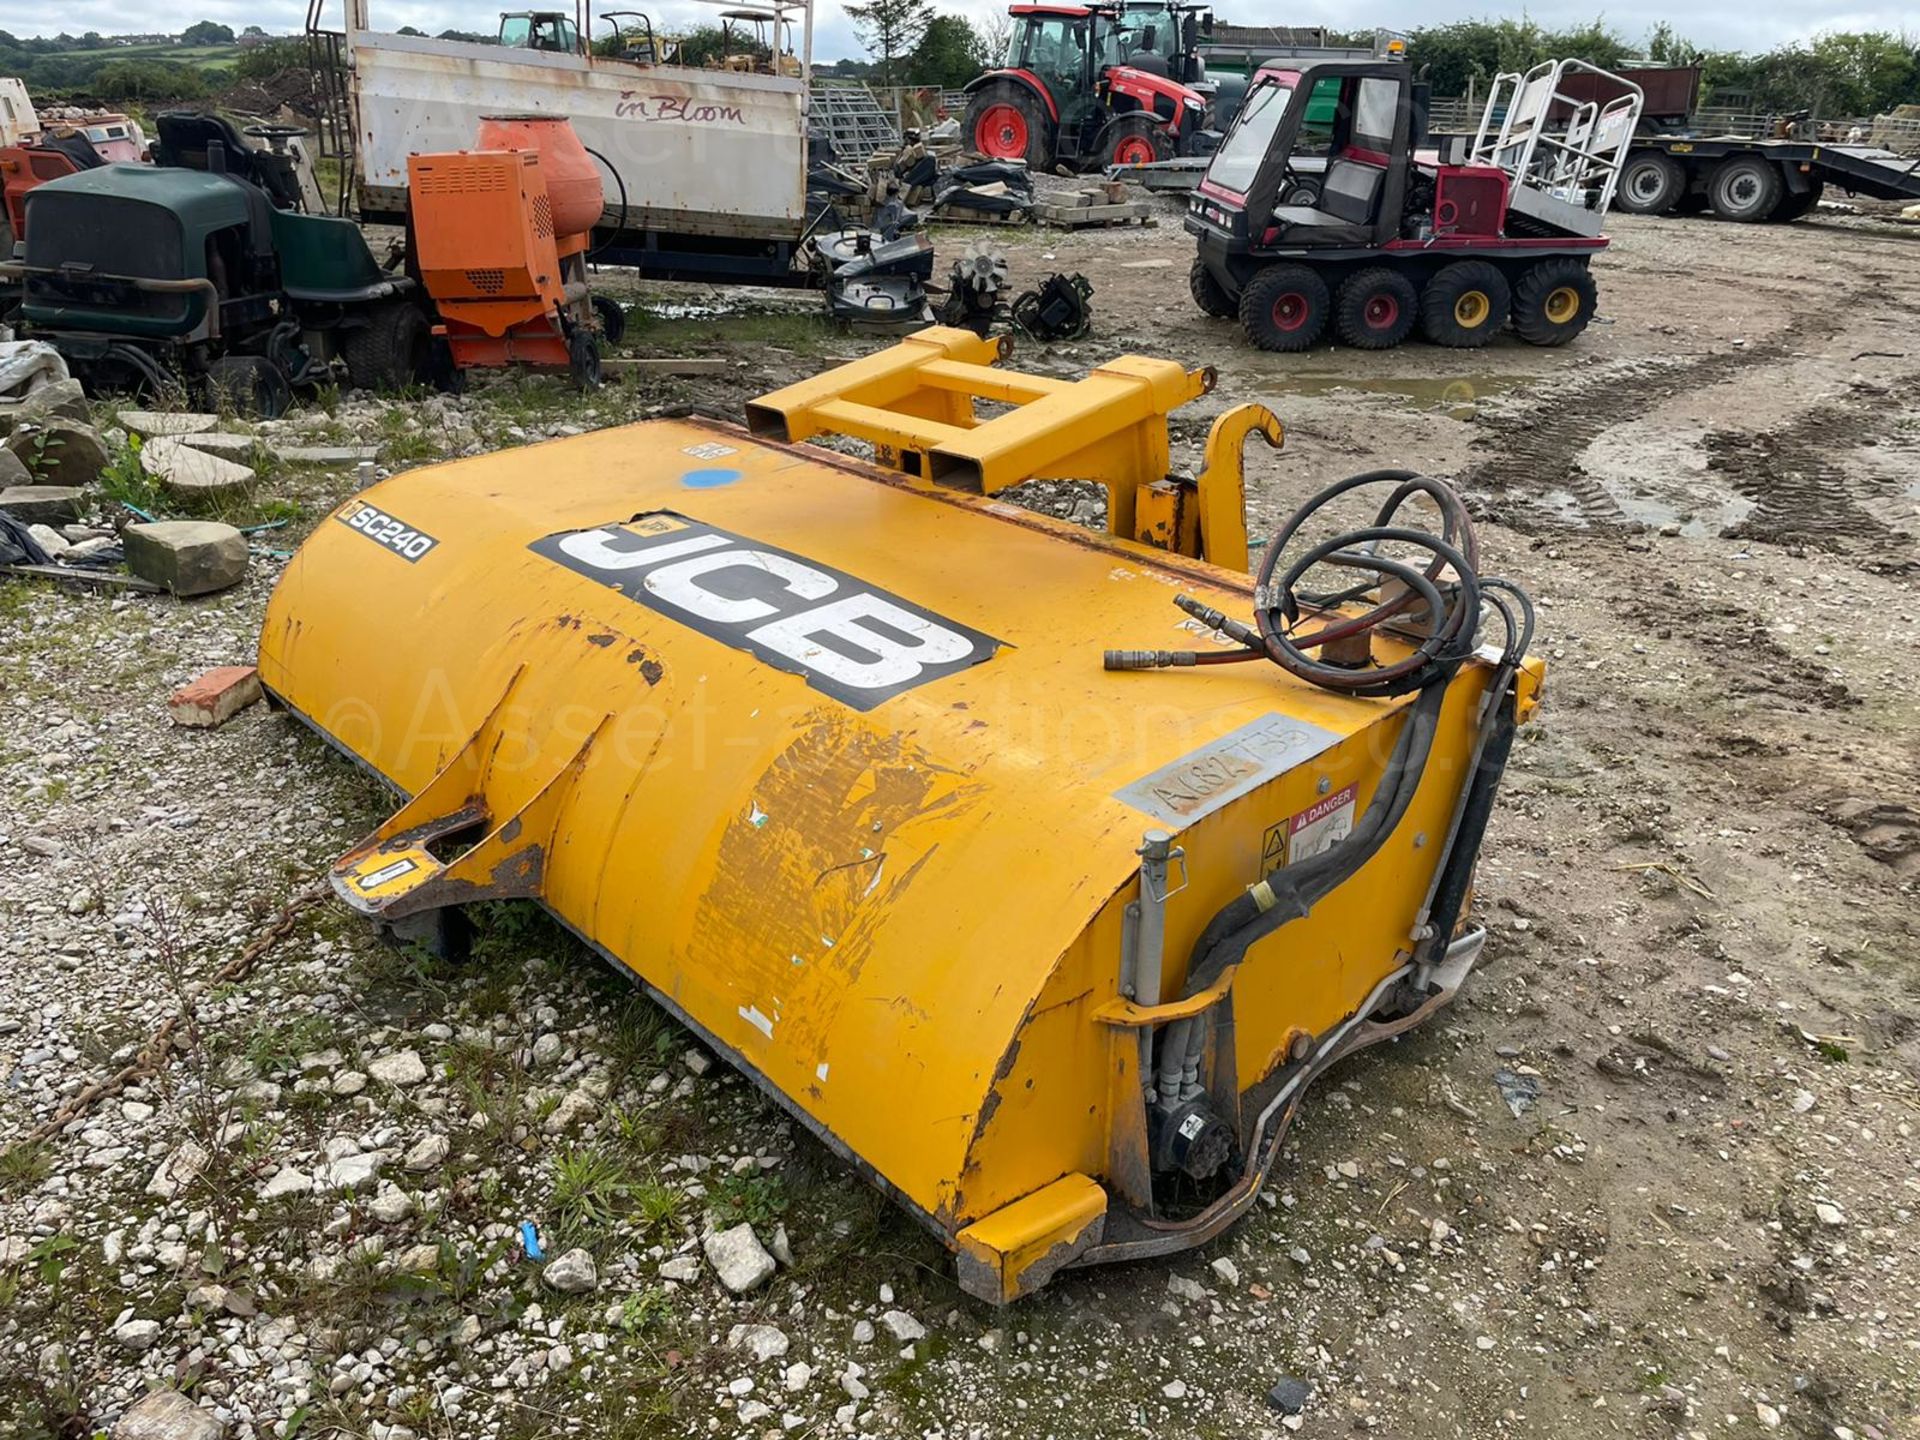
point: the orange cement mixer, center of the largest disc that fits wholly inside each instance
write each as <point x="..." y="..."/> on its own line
<point x="501" y="234"/>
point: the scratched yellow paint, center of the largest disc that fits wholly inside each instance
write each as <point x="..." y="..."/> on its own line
<point x="899" y="917"/>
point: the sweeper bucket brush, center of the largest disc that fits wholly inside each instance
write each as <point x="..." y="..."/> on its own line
<point x="826" y="753"/>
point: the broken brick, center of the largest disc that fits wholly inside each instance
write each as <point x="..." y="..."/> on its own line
<point x="216" y="697"/>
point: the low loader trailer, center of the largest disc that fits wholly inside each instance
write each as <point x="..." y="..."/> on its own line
<point x="1036" y="870"/>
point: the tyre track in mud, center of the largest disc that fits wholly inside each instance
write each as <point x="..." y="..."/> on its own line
<point x="1538" y="450"/>
<point x="1803" y="477"/>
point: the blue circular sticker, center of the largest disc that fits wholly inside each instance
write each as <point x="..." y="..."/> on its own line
<point x="709" y="479"/>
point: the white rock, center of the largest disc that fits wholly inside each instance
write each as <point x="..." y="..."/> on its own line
<point x="353" y="1172"/>
<point x="740" y="1385"/>
<point x="1766" y="1415"/>
<point x="1830" y="1214"/>
<point x="1174" y="1389"/>
<point x="781" y="1247"/>
<point x="187" y="1161"/>
<point x="762" y="1342"/>
<point x="798" y="1376"/>
<point x="698" y="1062"/>
<point x="572" y="1273"/>
<point x="391" y="1206"/>
<point x="288" y="1181"/>
<point x="683" y="1268"/>
<point x="575" y="1106"/>
<point x="560" y="1357"/>
<point x="739" y="1259"/>
<point x="1182" y="1287"/>
<point x="546" y="1050"/>
<point x="903" y="1326"/>
<point x="404" y="1067"/>
<point x="1226" y="1270"/>
<point x="754" y="1411"/>
<point x="137" y="1336"/>
<point x="168" y="1415"/>
<point x="428" y="1153"/>
<point x="348" y="1082"/>
<point x="863" y="1332"/>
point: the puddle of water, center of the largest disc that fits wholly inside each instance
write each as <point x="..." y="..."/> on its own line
<point x="1658" y="476"/>
<point x="1460" y="397"/>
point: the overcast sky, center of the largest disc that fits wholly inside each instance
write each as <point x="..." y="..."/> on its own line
<point x="1715" y="24"/>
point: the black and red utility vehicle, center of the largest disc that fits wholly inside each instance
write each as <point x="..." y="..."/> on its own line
<point x="1094" y="85"/>
<point x="1321" y="209"/>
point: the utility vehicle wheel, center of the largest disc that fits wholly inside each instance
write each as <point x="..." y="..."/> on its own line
<point x="613" y="318"/>
<point x="1651" y="184"/>
<point x="1465" y="305"/>
<point x="1553" y="302"/>
<point x="392" y="350"/>
<point x="1376" y="309"/>
<point x="1004" y="122"/>
<point x="1746" y="189"/>
<point x="1208" y="293"/>
<point x="1284" y="308"/>
<point x="1134" y="140"/>
<point x="583" y="359"/>
<point x="1792" y="206"/>
<point x="248" y="385"/>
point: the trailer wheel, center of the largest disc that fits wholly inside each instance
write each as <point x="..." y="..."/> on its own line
<point x="1792" y="206"/>
<point x="1134" y="140"/>
<point x="1208" y="293"/>
<point x="1553" y="302"/>
<point x="583" y="359"/>
<point x="1651" y="184"/>
<point x="1745" y="188"/>
<point x="613" y="318"/>
<point x="391" y="351"/>
<point x="1465" y="305"/>
<point x="1284" y="308"/>
<point x="1004" y="123"/>
<point x="1376" y="309"/>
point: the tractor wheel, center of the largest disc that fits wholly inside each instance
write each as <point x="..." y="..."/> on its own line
<point x="1465" y="305"/>
<point x="1651" y="184"/>
<point x="250" y="386"/>
<point x="583" y="359"/>
<point x="391" y="351"/>
<point x="613" y="318"/>
<point x="1746" y="189"/>
<point x="1208" y="293"/>
<point x="1284" y="308"/>
<point x="1134" y="140"/>
<point x="1553" y="302"/>
<point x="1376" y="309"/>
<point x="1004" y="122"/>
<point x="1792" y="206"/>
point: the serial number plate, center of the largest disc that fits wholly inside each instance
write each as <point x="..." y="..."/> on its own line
<point x="385" y="530"/>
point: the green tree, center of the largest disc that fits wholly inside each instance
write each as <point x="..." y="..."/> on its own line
<point x="949" y="54"/>
<point x="891" y="30"/>
<point x="207" y="32"/>
<point x="144" y="79"/>
<point x="709" y="44"/>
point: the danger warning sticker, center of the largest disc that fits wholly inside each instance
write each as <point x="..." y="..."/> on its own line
<point x="1317" y="829"/>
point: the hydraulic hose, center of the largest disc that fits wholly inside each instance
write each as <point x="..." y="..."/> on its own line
<point x="1438" y="604"/>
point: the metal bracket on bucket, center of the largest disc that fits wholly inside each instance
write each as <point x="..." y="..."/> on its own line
<point x="916" y="404"/>
<point x="393" y="873"/>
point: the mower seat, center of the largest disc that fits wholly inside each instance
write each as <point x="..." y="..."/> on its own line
<point x="186" y="136"/>
<point x="1349" y="198"/>
<point x="75" y="146"/>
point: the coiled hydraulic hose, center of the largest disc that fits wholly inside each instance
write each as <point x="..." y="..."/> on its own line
<point x="1439" y="605"/>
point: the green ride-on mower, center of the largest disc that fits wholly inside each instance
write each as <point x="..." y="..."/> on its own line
<point x="201" y="273"/>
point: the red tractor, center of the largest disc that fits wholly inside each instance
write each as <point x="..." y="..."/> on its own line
<point x="1094" y="85"/>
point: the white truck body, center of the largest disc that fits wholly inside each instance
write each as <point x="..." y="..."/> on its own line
<point x="699" y="152"/>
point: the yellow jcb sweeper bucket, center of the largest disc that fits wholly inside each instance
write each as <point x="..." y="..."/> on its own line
<point x="825" y="755"/>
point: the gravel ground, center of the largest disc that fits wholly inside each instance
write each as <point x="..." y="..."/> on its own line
<point x="1705" y="968"/>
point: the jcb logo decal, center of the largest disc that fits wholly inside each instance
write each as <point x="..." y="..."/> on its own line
<point x="850" y="640"/>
